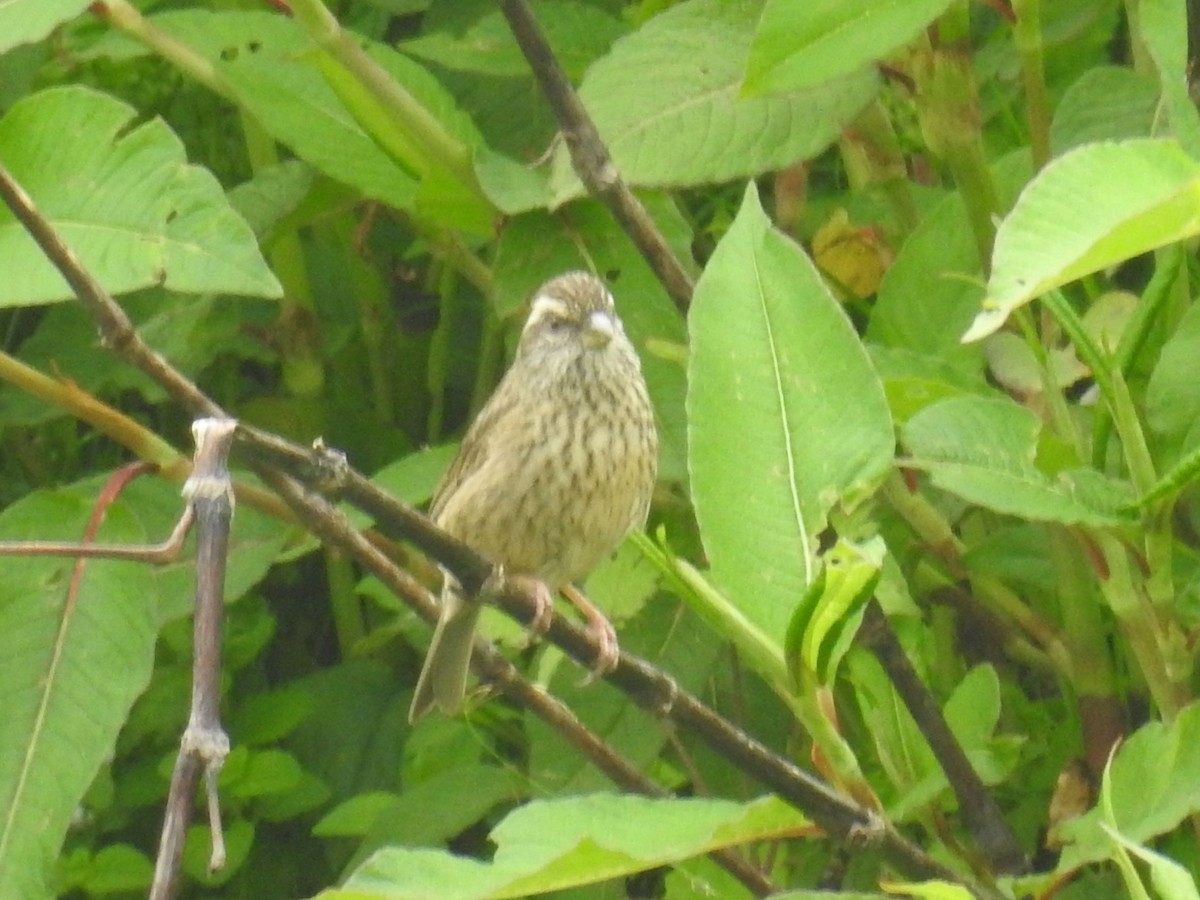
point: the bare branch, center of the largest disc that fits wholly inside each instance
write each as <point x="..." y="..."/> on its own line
<point x="979" y="811"/>
<point x="590" y="156"/>
<point x="209" y="493"/>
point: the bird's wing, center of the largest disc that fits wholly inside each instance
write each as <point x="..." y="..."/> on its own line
<point x="476" y="444"/>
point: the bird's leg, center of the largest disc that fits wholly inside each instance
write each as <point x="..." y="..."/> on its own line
<point x="542" y="598"/>
<point x="602" y="630"/>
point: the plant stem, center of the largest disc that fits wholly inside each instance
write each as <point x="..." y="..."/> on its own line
<point x="1151" y="645"/>
<point x="1028" y="33"/>
<point x="947" y="100"/>
<point x="1149" y="312"/>
<point x="129" y="19"/>
<point x="418" y="128"/>
<point x="934" y="530"/>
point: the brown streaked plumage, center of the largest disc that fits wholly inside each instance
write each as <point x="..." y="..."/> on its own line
<point x="553" y="473"/>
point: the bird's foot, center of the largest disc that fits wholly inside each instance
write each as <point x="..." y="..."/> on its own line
<point x="543" y="602"/>
<point x="608" y="651"/>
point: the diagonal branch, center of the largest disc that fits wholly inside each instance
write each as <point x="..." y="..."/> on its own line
<point x="591" y="157"/>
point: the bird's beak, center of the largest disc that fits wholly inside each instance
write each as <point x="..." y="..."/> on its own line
<point x="600" y="329"/>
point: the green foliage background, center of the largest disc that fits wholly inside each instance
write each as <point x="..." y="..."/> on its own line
<point x="942" y="352"/>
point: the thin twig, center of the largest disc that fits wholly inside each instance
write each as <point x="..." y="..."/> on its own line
<point x="979" y="811"/>
<point x="204" y="746"/>
<point x="590" y="156"/>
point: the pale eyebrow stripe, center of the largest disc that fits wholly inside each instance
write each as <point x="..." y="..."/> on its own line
<point x="543" y="305"/>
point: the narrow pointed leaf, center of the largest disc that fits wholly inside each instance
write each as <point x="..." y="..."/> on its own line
<point x="785" y="415"/>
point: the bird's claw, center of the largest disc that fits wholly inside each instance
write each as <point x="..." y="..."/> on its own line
<point x="608" y="650"/>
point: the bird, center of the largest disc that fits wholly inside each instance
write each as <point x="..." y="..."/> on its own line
<point x="557" y="468"/>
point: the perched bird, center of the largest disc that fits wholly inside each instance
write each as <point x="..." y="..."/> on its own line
<point x="557" y="468"/>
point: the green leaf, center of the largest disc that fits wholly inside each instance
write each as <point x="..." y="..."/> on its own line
<point x="72" y="671"/>
<point x="1170" y="880"/>
<point x="124" y="199"/>
<point x="1106" y="103"/>
<point x="577" y="31"/>
<point x="356" y="816"/>
<point x="1172" y="401"/>
<point x="512" y="186"/>
<point x="786" y="416"/>
<point x="414" y="477"/>
<point x="1154" y="785"/>
<point x="557" y="844"/>
<point x="984" y="450"/>
<point x="273" y="193"/>
<point x="931" y="291"/>
<point x="255" y="773"/>
<point x="927" y="890"/>
<point x="799" y="45"/>
<point x="686" y="124"/>
<point x="1164" y="28"/>
<point x="462" y="795"/>
<point x="116" y="869"/>
<point x="26" y="21"/>
<point x="1075" y="218"/>
<point x="273" y="70"/>
<point x="849" y="574"/>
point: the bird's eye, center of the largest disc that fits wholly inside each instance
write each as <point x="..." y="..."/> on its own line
<point x="557" y="324"/>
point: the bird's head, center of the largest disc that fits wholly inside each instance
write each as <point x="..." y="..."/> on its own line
<point x="573" y="312"/>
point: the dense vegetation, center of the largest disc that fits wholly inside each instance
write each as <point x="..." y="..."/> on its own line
<point x="936" y="382"/>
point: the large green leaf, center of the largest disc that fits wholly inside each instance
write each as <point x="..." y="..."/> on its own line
<point x="985" y="450"/>
<point x="124" y="199"/>
<point x="799" y="45"/>
<point x="786" y="415"/>
<point x="666" y="101"/>
<point x="72" y="669"/>
<point x="25" y="21"/>
<point x="1077" y="217"/>
<point x="557" y="844"/>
